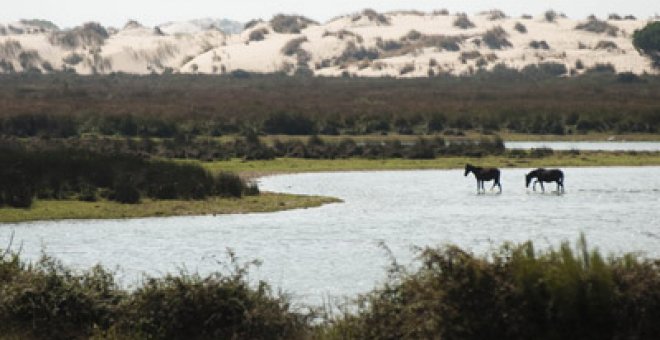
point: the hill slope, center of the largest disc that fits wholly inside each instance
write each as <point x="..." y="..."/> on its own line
<point x="399" y="44"/>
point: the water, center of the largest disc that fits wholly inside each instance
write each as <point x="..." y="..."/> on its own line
<point x="333" y="251"/>
<point x="587" y="146"/>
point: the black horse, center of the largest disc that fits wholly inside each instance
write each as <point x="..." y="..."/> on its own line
<point x="483" y="175"/>
<point x="545" y="175"/>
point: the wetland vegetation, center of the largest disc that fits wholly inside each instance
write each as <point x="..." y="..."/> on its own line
<point x="517" y="292"/>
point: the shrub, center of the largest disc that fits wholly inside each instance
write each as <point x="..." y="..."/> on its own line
<point x="126" y="193"/>
<point x="520" y="28"/>
<point x="45" y="300"/>
<point x="462" y="21"/>
<point x="353" y="53"/>
<point x="252" y="23"/>
<point x="90" y="34"/>
<point x="515" y="293"/>
<point x="647" y="41"/>
<point x="29" y="59"/>
<point x="542" y="44"/>
<point x="372" y="16"/>
<point x="407" y="68"/>
<point x="601" y="68"/>
<point x="495" y="14"/>
<point x="389" y="45"/>
<point x="545" y="70"/>
<point x="413" y="35"/>
<point x="10" y="49"/>
<point x="495" y="38"/>
<point x="614" y="16"/>
<point x="606" y="45"/>
<point x="443" y="12"/>
<point x="293" y="46"/>
<point x="290" y="24"/>
<point x="579" y="65"/>
<point x="598" y="26"/>
<point x="258" y="34"/>
<point x="550" y="16"/>
<point x="289" y="123"/>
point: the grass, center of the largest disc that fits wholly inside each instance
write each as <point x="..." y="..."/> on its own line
<point x="65" y="209"/>
<point x="507" y="136"/>
<point x="251" y="169"/>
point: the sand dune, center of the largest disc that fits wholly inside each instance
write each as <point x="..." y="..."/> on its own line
<point x="404" y="44"/>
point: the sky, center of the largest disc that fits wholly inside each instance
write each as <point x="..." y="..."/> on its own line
<point x="69" y="13"/>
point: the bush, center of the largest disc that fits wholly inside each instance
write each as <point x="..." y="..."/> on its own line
<point x="542" y="44"/>
<point x="126" y="193"/>
<point x="550" y="16"/>
<point x="598" y="26"/>
<point x="48" y="301"/>
<point x="647" y="41"/>
<point x="495" y="38"/>
<point x="463" y="22"/>
<point x="372" y="16"/>
<point x="495" y="14"/>
<point x="606" y="45"/>
<point x="520" y="28"/>
<point x="293" y="46"/>
<point x="515" y="293"/>
<point x="72" y="59"/>
<point x="290" y="24"/>
<point x="45" y="300"/>
<point x="258" y="34"/>
<point x="90" y="34"/>
<point x="601" y="68"/>
<point x="544" y="70"/>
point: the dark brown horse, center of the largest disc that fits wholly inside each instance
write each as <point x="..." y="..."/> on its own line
<point x="545" y="175"/>
<point x="483" y="175"/>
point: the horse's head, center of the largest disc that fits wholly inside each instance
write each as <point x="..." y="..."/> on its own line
<point x="528" y="178"/>
<point x="468" y="168"/>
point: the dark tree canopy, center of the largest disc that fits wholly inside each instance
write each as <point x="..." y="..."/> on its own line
<point x="647" y="41"/>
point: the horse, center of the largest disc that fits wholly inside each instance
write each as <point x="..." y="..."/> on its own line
<point x="545" y="175"/>
<point x="484" y="174"/>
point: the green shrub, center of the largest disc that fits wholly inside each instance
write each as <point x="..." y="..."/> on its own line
<point x="515" y="293"/>
<point x="647" y="41"/>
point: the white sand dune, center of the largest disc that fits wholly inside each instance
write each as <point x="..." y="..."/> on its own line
<point x="358" y="45"/>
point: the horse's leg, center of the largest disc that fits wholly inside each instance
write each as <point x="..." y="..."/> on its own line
<point x="542" y="188"/>
<point x="534" y="185"/>
<point x="478" y="186"/>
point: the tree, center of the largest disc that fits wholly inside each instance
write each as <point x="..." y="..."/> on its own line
<point x="647" y="41"/>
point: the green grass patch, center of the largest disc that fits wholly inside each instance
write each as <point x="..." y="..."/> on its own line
<point x="68" y="209"/>
<point x="557" y="159"/>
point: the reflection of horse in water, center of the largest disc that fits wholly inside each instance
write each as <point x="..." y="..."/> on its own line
<point x="545" y="175"/>
<point x="484" y="174"/>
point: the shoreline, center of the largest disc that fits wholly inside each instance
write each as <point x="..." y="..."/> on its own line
<point x="273" y="202"/>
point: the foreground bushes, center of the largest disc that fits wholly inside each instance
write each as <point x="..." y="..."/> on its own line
<point x="47" y="301"/>
<point x="517" y="293"/>
<point x="67" y="173"/>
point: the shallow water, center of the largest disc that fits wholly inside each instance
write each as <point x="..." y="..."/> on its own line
<point x="333" y="250"/>
<point x="587" y="146"/>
